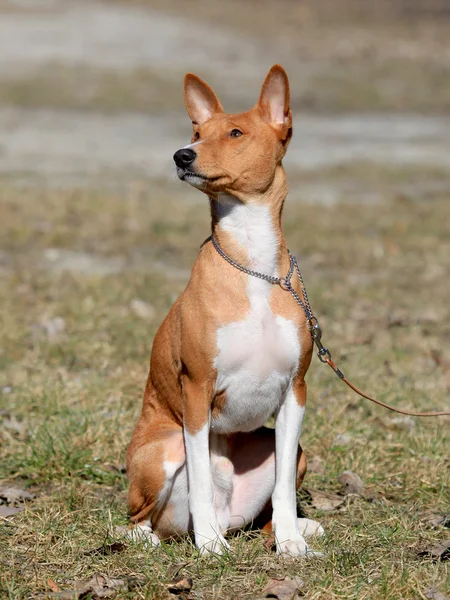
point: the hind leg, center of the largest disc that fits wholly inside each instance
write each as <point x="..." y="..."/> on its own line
<point x="253" y="457"/>
<point x="153" y="470"/>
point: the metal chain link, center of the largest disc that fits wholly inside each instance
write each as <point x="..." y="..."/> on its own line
<point x="284" y="282"/>
<point x="236" y="265"/>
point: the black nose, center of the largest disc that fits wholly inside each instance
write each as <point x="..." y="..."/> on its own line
<point x="184" y="157"/>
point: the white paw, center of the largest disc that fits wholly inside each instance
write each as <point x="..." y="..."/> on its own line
<point x="211" y="542"/>
<point x="295" y="546"/>
<point x="144" y="535"/>
<point x="309" y="527"/>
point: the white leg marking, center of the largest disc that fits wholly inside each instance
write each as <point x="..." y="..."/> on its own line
<point x="288" y="427"/>
<point x="207" y="530"/>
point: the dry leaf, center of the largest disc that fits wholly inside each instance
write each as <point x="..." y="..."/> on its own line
<point x="283" y="589"/>
<point x="53" y="585"/>
<point x="96" y="588"/>
<point x="107" y="549"/>
<point x="434" y="594"/>
<point x="325" y="500"/>
<point x="9" y="511"/>
<point x="439" y="551"/>
<point x="14" y="495"/>
<point x="180" y="585"/>
<point x="352" y="483"/>
<point x="269" y="543"/>
<point x="437" y="520"/>
<point x="174" y="570"/>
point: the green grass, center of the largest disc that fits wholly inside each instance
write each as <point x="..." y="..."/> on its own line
<point x="377" y="277"/>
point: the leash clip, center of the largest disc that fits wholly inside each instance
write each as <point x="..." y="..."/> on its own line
<point x="316" y="334"/>
<point x="324" y="354"/>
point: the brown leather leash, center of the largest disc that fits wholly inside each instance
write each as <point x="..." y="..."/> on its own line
<point x="313" y="324"/>
<point x="340" y="374"/>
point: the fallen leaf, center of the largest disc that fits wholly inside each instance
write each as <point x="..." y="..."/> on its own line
<point x="9" y="511"/>
<point x="107" y="549"/>
<point x="53" y="585"/>
<point x="434" y="594"/>
<point x="437" y="552"/>
<point x="437" y="520"/>
<point x="14" y="495"/>
<point x="269" y="543"/>
<point x="315" y="465"/>
<point x="352" y="483"/>
<point x="142" y="309"/>
<point x="96" y="588"/>
<point x="283" y="589"/>
<point x="174" y="570"/>
<point x="180" y="585"/>
<point x="325" y="500"/>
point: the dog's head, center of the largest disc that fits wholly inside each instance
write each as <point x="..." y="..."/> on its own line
<point x="235" y="154"/>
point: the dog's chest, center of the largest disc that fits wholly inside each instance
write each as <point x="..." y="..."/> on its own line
<point x="257" y="355"/>
<point x="256" y="361"/>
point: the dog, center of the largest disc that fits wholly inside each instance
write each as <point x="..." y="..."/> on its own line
<point x="233" y="350"/>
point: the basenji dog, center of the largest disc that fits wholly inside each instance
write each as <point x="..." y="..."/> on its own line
<point x="233" y="350"/>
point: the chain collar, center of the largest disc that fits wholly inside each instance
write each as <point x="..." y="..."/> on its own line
<point x="285" y="284"/>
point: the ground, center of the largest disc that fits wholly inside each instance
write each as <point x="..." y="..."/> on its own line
<point x="97" y="238"/>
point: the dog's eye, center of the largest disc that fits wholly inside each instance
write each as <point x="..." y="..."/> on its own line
<point x="196" y="136"/>
<point x="235" y="133"/>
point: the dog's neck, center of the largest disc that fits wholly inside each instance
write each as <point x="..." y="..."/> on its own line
<point x="249" y="229"/>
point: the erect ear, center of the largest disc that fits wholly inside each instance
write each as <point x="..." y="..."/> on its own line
<point x="274" y="101"/>
<point x="201" y="102"/>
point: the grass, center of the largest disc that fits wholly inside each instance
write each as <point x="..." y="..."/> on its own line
<point x="377" y="277"/>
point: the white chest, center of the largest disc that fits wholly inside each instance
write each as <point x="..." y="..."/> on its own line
<point x="257" y="359"/>
<point x="257" y="356"/>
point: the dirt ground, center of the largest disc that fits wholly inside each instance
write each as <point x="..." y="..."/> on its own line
<point x="97" y="239"/>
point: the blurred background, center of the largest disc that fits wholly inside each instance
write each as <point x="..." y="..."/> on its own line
<point x="93" y="90"/>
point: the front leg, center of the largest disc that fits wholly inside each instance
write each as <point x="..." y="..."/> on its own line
<point x="288" y="426"/>
<point x="208" y="534"/>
